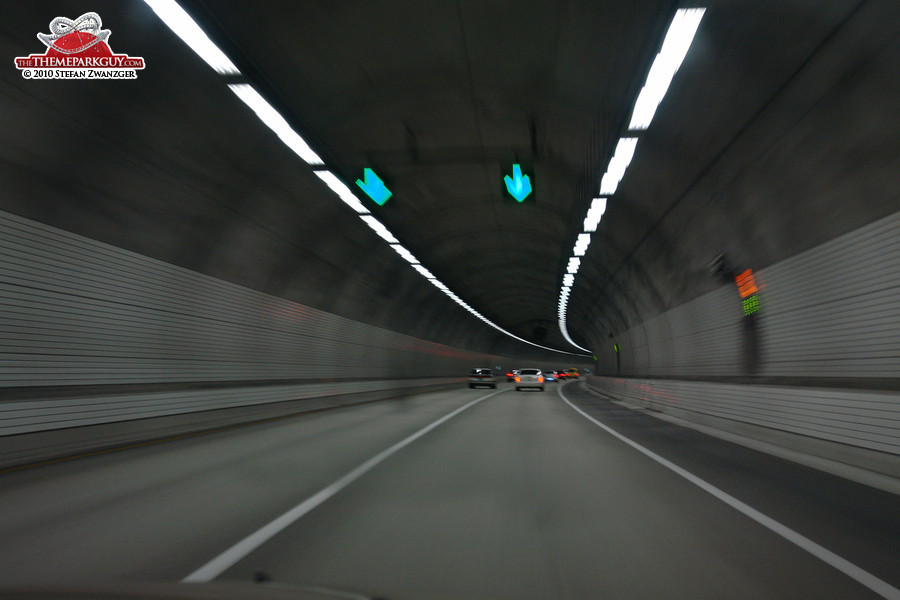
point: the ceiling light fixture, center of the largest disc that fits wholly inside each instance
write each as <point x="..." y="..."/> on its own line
<point x="674" y="48"/>
<point x="595" y="213"/>
<point x="581" y="244"/>
<point x="184" y="27"/>
<point x="274" y="121"/>
<point x="424" y="272"/>
<point x="405" y="254"/>
<point x="379" y="228"/>
<point x="609" y="184"/>
<point x="343" y="192"/>
<point x="622" y="157"/>
<point x="676" y="43"/>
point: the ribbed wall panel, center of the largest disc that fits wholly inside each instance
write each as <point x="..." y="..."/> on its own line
<point x="42" y="415"/>
<point x="80" y="312"/>
<point x="700" y="337"/>
<point x="866" y="419"/>
<point x="832" y="311"/>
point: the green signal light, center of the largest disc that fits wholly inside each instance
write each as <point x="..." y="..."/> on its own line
<point x="751" y="305"/>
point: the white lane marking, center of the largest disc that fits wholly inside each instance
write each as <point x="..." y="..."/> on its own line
<point x="229" y="557"/>
<point x="879" y="586"/>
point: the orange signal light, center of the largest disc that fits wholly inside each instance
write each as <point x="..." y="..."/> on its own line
<point x="746" y="284"/>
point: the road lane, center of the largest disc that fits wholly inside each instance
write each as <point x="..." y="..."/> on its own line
<point x="520" y="497"/>
<point x="158" y="512"/>
<point x="872" y="582"/>
<point x="857" y="522"/>
<point x="516" y="497"/>
<point x="229" y="557"/>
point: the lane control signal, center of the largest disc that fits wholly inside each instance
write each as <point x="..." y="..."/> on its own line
<point x="519" y="185"/>
<point x="374" y="187"/>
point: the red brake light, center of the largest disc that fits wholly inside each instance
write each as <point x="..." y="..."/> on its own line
<point x="540" y="380"/>
<point x="518" y="379"/>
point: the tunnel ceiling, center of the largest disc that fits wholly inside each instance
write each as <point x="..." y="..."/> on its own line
<point x="747" y="155"/>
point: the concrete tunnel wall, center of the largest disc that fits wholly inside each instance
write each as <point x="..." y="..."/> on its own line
<point x="806" y="150"/>
<point x="816" y="367"/>
<point x="828" y="314"/>
<point x="94" y="336"/>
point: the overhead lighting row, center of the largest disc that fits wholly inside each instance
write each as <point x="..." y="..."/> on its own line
<point x="171" y="13"/>
<point x="675" y="45"/>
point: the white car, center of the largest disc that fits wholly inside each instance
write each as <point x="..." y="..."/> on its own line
<point x="482" y="377"/>
<point x="529" y="378"/>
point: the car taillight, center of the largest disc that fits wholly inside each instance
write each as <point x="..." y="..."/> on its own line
<point x="518" y="379"/>
<point x="540" y="380"/>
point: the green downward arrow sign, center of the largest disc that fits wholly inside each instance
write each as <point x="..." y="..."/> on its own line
<point x="374" y="187"/>
<point x="518" y="186"/>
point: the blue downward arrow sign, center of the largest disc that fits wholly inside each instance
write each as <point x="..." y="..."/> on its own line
<point x="374" y="187"/>
<point x="518" y="186"/>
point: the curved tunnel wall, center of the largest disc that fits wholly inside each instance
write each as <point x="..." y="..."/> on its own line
<point x="830" y="312"/>
<point x="822" y="351"/>
<point x="95" y="334"/>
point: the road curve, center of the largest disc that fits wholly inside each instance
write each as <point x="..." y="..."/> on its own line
<point x="514" y="496"/>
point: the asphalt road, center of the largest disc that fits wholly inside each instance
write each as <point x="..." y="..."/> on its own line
<point x="516" y="495"/>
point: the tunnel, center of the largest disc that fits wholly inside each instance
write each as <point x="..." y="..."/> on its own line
<point x="445" y="299"/>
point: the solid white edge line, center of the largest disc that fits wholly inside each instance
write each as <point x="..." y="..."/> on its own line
<point x="232" y="555"/>
<point x="879" y="586"/>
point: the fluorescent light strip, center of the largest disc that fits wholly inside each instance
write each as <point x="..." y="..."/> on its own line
<point x="343" y="192"/>
<point x="187" y="29"/>
<point x="581" y="244"/>
<point x="619" y="162"/>
<point x="379" y="228"/>
<point x="405" y="254"/>
<point x="608" y="184"/>
<point x="424" y="272"/>
<point x="563" y="328"/>
<point x="475" y="313"/>
<point x="674" y="48"/>
<point x="622" y="157"/>
<point x="274" y="121"/>
<point x="565" y="332"/>
<point x="595" y="213"/>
